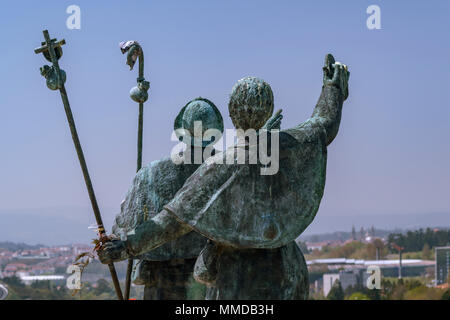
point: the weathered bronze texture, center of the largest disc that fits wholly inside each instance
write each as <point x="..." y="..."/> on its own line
<point x="154" y="186"/>
<point x="251" y="219"/>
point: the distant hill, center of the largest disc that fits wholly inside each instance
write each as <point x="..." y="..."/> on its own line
<point x="55" y="226"/>
<point x="343" y="235"/>
<point x="12" y="246"/>
<point x="329" y="224"/>
<point x="50" y="226"/>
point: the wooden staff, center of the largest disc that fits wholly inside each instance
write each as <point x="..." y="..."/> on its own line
<point x="140" y="95"/>
<point x="55" y="80"/>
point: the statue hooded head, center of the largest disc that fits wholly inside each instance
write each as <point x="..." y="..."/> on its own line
<point x="199" y="123"/>
<point x="251" y="103"/>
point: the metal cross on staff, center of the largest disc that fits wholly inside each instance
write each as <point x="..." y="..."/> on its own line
<point x="140" y="95"/>
<point x="55" y="81"/>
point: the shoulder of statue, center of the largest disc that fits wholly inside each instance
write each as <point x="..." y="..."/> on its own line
<point x="310" y="131"/>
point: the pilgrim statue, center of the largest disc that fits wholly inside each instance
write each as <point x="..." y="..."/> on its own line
<point x="251" y="215"/>
<point x="167" y="271"/>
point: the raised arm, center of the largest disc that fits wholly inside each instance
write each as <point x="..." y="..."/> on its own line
<point x="327" y="112"/>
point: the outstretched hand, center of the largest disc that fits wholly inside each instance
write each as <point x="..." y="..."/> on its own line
<point x="112" y="251"/>
<point x="336" y="74"/>
<point x="274" y="121"/>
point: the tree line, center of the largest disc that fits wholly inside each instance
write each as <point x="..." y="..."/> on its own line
<point x="417" y="239"/>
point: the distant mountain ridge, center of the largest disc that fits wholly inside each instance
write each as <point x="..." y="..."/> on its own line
<point x="328" y="224"/>
<point x="70" y="225"/>
<point x="51" y="226"/>
<point x="12" y="246"/>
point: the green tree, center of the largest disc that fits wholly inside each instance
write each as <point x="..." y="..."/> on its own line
<point x="373" y="294"/>
<point x="415" y="240"/>
<point x="358" y="296"/>
<point x="426" y="252"/>
<point x="336" y="292"/>
<point x="423" y="293"/>
<point x="102" y="287"/>
<point x="446" y="295"/>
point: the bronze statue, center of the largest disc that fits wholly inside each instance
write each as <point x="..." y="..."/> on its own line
<point x="167" y="270"/>
<point x="251" y="219"/>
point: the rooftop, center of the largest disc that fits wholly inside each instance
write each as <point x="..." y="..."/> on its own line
<point x="415" y="262"/>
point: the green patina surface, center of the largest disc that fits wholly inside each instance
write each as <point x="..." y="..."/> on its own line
<point x="251" y="219"/>
<point x="166" y="271"/>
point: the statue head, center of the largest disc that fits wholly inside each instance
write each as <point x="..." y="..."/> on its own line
<point x="251" y="103"/>
<point x="195" y="111"/>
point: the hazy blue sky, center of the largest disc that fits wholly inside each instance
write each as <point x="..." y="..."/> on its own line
<point x="392" y="152"/>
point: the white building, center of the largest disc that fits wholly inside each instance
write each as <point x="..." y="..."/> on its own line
<point x="30" y="279"/>
<point x="328" y="280"/>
